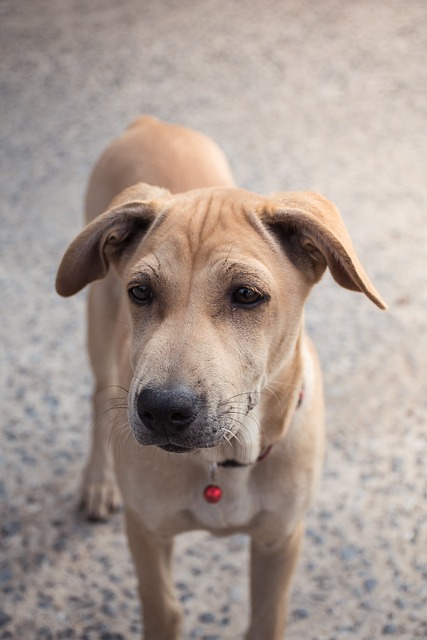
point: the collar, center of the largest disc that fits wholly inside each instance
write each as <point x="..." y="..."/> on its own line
<point x="213" y="492"/>
<point x="264" y="453"/>
<point x="234" y="463"/>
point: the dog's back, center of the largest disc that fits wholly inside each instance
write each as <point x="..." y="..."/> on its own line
<point x="151" y="151"/>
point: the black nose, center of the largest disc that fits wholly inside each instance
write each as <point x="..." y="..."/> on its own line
<point x="166" y="410"/>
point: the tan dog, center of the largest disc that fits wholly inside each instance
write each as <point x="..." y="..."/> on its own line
<point x="197" y="312"/>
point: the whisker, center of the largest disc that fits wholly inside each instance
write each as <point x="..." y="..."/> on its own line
<point x="112" y="386"/>
<point x="246" y="395"/>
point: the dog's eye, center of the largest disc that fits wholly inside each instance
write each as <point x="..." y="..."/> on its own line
<point x="247" y="296"/>
<point x="141" y="294"/>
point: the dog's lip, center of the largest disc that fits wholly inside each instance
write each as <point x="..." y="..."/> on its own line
<point x="174" y="448"/>
<point x="170" y="447"/>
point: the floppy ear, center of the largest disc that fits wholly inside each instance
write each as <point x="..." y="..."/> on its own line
<point x="313" y="231"/>
<point x="107" y="237"/>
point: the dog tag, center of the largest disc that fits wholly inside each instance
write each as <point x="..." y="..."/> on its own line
<point x="212" y="493"/>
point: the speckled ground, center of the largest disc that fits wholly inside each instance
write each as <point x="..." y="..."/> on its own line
<point x="301" y="94"/>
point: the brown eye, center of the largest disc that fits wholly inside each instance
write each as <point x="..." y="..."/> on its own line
<point x="141" y="294"/>
<point x="247" y="296"/>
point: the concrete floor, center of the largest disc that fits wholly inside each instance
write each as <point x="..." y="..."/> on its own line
<point x="300" y="94"/>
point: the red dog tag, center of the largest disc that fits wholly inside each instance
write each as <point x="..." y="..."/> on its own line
<point x="212" y="493"/>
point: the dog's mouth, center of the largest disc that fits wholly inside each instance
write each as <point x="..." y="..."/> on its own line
<point x="174" y="448"/>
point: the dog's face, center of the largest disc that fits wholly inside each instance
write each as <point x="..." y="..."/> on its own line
<point x="215" y="309"/>
<point x="215" y="281"/>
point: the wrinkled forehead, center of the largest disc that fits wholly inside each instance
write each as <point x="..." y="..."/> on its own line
<point x="204" y="230"/>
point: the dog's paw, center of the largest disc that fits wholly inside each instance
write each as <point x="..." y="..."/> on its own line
<point x="100" y="497"/>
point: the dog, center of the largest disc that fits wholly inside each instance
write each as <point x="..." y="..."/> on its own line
<point x="197" y="343"/>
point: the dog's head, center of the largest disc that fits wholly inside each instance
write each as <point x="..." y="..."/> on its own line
<point x="214" y="283"/>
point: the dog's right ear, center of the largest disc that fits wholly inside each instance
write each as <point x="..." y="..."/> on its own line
<point x="108" y="238"/>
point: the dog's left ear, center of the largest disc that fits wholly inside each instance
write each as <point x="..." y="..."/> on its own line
<point x="313" y="233"/>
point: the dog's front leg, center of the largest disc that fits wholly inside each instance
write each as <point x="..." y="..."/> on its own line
<point x="272" y="567"/>
<point x="100" y="494"/>
<point x="152" y="555"/>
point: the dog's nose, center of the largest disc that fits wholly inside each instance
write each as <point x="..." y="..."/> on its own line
<point x="166" y="410"/>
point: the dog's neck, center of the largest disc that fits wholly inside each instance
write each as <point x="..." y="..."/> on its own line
<point x="213" y="492"/>
<point x="274" y="413"/>
<point x="231" y="462"/>
<point x="234" y="463"/>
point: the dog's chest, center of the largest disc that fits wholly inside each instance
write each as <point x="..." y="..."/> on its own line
<point x="173" y="497"/>
<point x="236" y="508"/>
